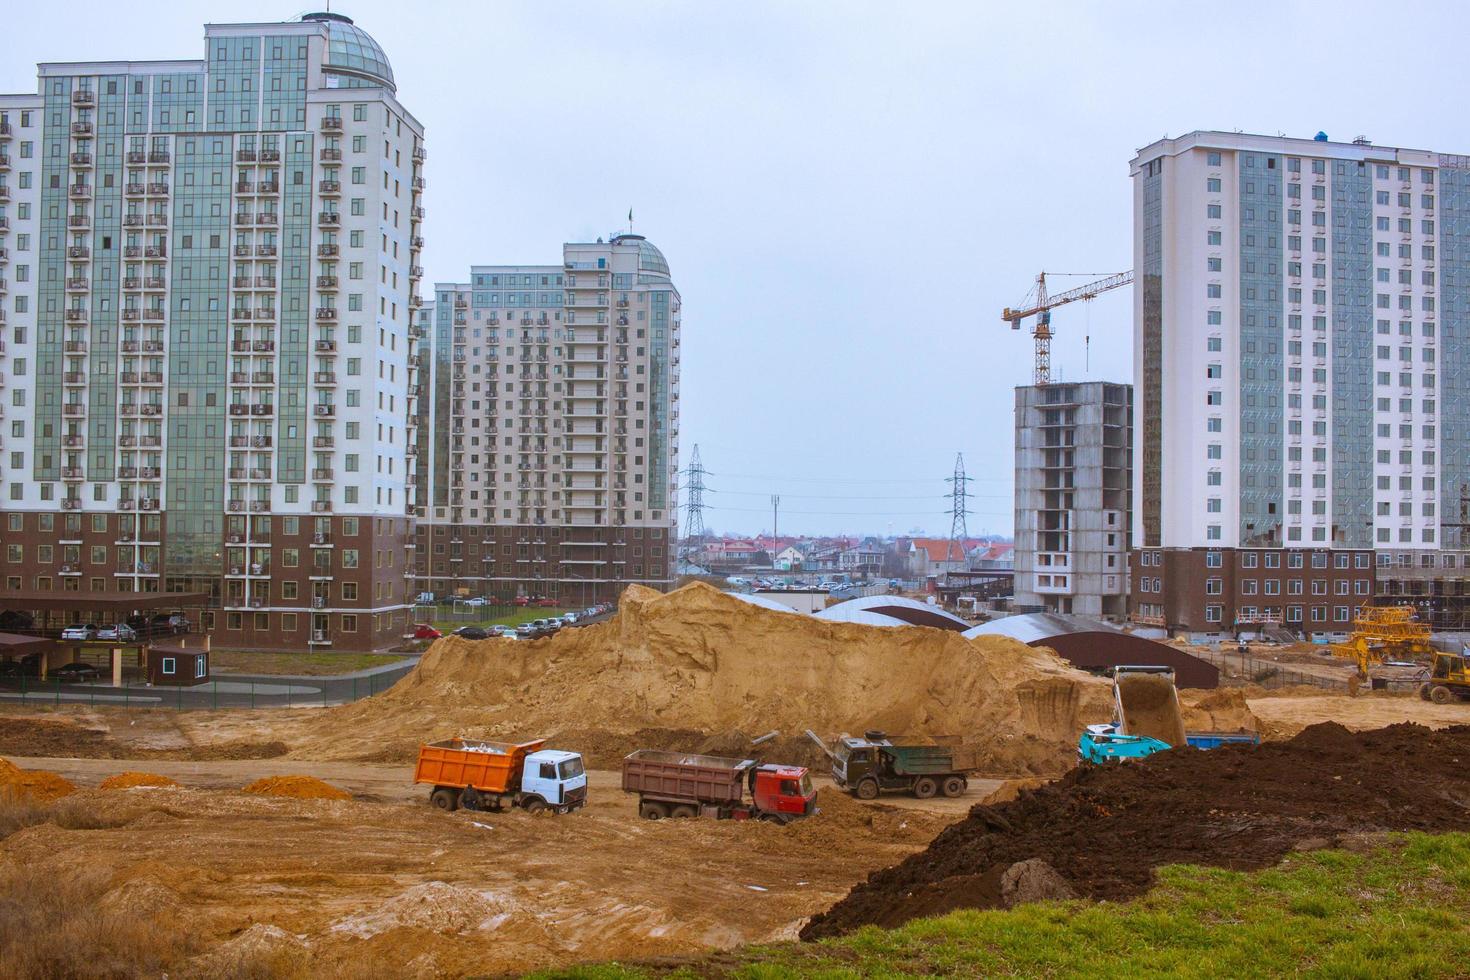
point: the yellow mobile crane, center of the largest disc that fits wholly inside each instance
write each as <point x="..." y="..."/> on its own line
<point x="1385" y="633"/>
<point x="1040" y="304"/>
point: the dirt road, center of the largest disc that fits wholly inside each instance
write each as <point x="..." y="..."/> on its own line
<point x="393" y="783"/>
<point x="388" y="879"/>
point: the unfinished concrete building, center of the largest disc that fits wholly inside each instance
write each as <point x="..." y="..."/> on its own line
<point x="1074" y="460"/>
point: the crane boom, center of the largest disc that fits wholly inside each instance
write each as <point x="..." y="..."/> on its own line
<point x="1044" y="304"/>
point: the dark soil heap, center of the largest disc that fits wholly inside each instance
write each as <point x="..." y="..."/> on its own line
<point x="1105" y="829"/>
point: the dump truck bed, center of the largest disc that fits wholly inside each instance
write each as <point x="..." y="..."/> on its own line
<point x="928" y="760"/>
<point x="491" y="767"/>
<point x="685" y="776"/>
<point x="1148" y="705"/>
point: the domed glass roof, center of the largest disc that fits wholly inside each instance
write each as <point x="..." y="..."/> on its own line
<point x="352" y="51"/>
<point x="650" y="259"/>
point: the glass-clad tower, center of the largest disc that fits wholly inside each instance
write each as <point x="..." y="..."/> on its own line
<point x="208" y="271"/>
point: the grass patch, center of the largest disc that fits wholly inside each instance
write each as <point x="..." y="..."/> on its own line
<point x="299" y="664"/>
<point x="1400" y="911"/>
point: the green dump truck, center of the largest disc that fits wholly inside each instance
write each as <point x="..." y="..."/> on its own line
<point x="924" y="765"/>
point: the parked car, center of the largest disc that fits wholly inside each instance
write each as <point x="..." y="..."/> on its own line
<point x="424" y="599"/>
<point x="82" y="632"/>
<point x="478" y="600"/>
<point x="521" y="600"/>
<point x="570" y="618"/>
<point x="546" y="602"/>
<point x="424" y="631"/>
<point x="165" y="623"/>
<point x="119" y="633"/>
<point x="526" y="631"/>
<point x="76" y="671"/>
<point x="472" y="633"/>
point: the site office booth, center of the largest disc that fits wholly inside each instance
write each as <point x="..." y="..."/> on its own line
<point x="175" y="667"/>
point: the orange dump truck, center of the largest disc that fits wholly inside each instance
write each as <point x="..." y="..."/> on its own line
<point x="480" y="775"/>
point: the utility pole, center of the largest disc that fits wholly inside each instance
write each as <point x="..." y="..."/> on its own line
<point x="775" y="524"/>
<point x="958" y="495"/>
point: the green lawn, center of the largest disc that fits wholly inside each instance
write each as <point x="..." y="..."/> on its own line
<point x="302" y="664"/>
<point x="1400" y="911"/>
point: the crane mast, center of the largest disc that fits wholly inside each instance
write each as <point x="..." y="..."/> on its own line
<point x="1041" y="307"/>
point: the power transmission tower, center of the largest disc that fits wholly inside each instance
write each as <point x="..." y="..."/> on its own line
<point x="959" y="496"/>
<point x="694" y="505"/>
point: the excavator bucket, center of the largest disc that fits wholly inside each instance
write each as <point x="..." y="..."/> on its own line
<point x="1148" y="705"/>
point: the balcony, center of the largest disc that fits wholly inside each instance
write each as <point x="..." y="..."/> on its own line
<point x="266" y="218"/>
<point x="81" y="159"/>
<point x="329" y="186"/>
<point x="327" y="313"/>
<point x="137" y="156"/>
<point x="325" y="411"/>
<point x="326" y="347"/>
<point x="325" y="378"/>
<point x="71" y="473"/>
<point x="155" y="283"/>
<point x="71" y="503"/>
<point x="79" y="221"/>
<point x="331" y="124"/>
<point x="330" y="154"/>
<point x="241" y="313"/>
<point x="158" y="156"/>
<point x="82" y="127"/>
<point x="132" y="221"/>
<point x="74" y="378"/>
<point x="74" y="410"/>
<point x="270" y="155"/>
<point x="131" y="282"/>
<point x="157" y="219"/>
<point x="417" y="241"/>
<point x="83" y="96"/>
<point x="77" y="285"/>
<point x="76" y="316"/>
<point x="77" y="192"/>
<point x="326" y="282"/>
<point x="132" y="251"/>
<point x="261" y="410"/>
<point x="323" y="442"/>
<point x="155" y="252"/>
<point x="79" y="252"/>
<point x="265" y="251"/>
<point x="331" y="218"/>
<point x="245" y="156"/>
<point x="268" y="187"/>
<point x="321" y="506"/>
<point x="321" y="473"/>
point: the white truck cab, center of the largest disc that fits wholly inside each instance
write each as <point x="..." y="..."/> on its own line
<point x="556" y="777"/>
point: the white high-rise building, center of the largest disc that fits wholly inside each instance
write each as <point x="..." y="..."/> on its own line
<point x="207" y="271"/>
<point x="1302" y="376"/>
<point x="549" y="439"/>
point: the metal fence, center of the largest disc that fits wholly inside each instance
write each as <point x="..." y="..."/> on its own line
<point x="1267" y="673"/>
<point x="288" y="692"/>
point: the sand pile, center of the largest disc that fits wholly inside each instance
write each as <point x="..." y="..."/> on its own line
<point x="38" y="785"/>
<point x="127" y="780"/>
<point x="699" y="660"/>
<point x="297" y="787"/>
<point x="1105" y="828"/>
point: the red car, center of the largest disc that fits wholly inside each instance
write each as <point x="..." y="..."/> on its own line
<point x="520" y="600"/>
<point x="423" y="631"/>
<point x="546" y="603"/>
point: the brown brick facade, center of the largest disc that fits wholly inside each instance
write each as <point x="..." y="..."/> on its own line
<point x="284" y="583"/>
<point x="578" y="565"/>
<point x="1208" y="590"/>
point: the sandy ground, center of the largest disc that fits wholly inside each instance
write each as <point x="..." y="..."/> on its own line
<point x="1282" y="717"/>
<point x="432" y="894"/>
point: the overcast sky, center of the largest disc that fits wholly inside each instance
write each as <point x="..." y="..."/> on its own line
<point x="847" y="193"/>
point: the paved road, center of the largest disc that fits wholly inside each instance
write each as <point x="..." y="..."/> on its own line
<point x="230" y="691"/>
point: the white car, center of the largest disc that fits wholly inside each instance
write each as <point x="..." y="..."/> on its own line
<point x="85" y="632"/>
<point x="570" y="618"/>
<point x="477" y="601"/>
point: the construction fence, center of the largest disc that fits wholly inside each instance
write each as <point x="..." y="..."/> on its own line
<point x="1247" y="668"/>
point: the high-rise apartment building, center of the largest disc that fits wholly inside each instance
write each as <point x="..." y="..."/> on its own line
<point x="1302" y="381"/>
<point x="1074" y="463"/>
<point x="207" y="273"/>
<point x="549" y="437"/>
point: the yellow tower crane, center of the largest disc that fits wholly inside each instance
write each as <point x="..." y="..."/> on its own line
<point x="1039" y="304"/>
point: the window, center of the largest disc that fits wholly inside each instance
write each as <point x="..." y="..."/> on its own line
<point x="168" y="665"/>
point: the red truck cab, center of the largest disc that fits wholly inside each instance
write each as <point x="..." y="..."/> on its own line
<point x="783" y="790"/>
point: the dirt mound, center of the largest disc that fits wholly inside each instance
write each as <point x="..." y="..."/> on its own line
<point x="698" y="660"/>
<point x="127" y="780"/>
<point x="1104" y="829"/>
<point x="297" y="787"/>
<point x="37" y="785"/>
<point x="1223" y="709"/>
<point x="436" y="907"/>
